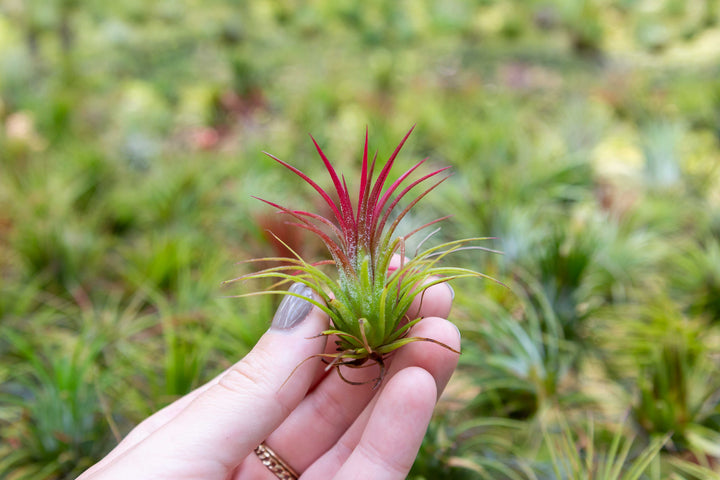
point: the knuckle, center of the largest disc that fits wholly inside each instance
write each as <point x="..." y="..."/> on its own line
<point x="248" y="375"/>
<point x="376" y="456"/>
<point x="251" y="377"/>
<point x="330" y="409"/>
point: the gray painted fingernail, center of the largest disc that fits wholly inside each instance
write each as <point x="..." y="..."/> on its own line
<point x="292" y="309"/>
<point x="452" y="291"/>
<point x="458" y="330"/>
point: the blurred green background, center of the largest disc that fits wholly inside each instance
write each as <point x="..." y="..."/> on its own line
<point x="584" y="135"/>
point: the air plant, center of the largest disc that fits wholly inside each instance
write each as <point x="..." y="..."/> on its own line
<point x="366" y="299"/>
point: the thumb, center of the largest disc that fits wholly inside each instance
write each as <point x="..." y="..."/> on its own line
<point x="217" y="430"/>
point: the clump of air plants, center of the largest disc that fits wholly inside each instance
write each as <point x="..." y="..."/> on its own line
<point x="366" y="300"/>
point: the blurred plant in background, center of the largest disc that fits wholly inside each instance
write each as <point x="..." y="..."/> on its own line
<point x="583" y="135"/>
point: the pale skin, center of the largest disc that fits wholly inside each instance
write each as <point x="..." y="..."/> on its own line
<point x="320" y="425"/>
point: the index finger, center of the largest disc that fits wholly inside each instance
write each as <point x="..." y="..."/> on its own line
<point x="435" y="301"/>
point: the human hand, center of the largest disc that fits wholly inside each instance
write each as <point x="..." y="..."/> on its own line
<point x="318" y="424"/>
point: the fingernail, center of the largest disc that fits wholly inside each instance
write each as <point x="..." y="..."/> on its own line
<point x="458" y="331"/>
<point x="292" y="309"/>
<point x="452" y="291"/>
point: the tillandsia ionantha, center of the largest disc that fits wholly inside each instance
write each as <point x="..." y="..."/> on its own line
<point x="367" y="300"/>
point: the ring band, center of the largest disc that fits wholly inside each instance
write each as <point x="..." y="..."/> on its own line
<point x="275" y="464"/>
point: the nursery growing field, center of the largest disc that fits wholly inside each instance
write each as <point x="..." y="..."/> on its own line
<point x="583" y="136"/>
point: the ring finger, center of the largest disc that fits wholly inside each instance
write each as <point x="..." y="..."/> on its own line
<point x="334" y="407"/>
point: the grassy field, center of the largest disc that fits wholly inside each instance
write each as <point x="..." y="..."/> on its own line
<point x="583" y="134"/>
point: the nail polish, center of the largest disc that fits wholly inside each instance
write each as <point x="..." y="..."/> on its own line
<point x="452" y="291"/>
<point x="293" y="310"/>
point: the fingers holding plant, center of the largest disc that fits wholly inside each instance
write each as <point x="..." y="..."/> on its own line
<point x="391" y="348"/>
<point x="376" y="299"/>
<point x="372" y="302"/>
<point x="332" y="419"/>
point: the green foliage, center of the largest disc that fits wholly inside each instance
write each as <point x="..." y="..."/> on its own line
<point x="669" y="371"/>
<point x="579" y="458"/>
<point x="483" y="448"/>
<point x="520" y="361"/>
<point x="583" y="136"/>
<point x="63" y="427"/>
